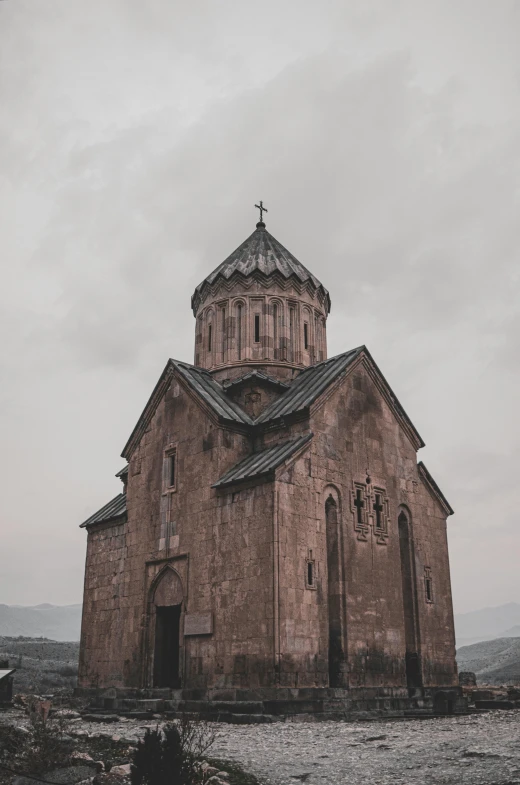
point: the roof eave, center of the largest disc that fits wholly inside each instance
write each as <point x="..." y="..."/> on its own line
<point x="413" y="434"/>
<point x="151" y="404"/>
<point x="435" y="490"/>
<point x="121" y="518"/>
<point x="267" y="476"/>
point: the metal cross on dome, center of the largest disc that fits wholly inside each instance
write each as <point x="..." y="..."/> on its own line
<point x="262" y="210"/>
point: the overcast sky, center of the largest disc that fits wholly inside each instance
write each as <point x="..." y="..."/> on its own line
<point x="135" y="138"/>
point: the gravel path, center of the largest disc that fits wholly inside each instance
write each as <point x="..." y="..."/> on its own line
<point x="475" y="750"/>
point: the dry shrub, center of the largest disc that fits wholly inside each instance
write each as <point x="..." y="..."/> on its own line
<point x="170" y="756"/>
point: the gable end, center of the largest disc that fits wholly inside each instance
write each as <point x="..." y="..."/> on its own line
<point x="434" y="488"/>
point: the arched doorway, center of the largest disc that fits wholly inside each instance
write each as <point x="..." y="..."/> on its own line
<point x="335" y="588"/>
<point x="167" y="602"/>
<point x="412" y="660"/>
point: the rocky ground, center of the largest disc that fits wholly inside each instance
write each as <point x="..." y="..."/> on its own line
<point x="479" y="749"/>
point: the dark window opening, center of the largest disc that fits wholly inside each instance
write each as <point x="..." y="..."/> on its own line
<point x="292" y="355"/>
<point x="239" y="330"/>
<point x="224" y="335"/>
<point x="171" y="470"/>
<point x="359" y="504"/>
<point x="275" y="331"/>
<point x="310" y="573"/>
<point x="378" y="509"/>
<point x="306" y="335"/>
<point x="429" y="589"/>
<point x="257" y="327"/>
<point x="210" y="330"/>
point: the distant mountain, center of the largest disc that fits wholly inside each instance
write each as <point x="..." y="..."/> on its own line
<point x="493" y="662"/>
<point x="59" y="622"/>
<point x="488" y="624"/>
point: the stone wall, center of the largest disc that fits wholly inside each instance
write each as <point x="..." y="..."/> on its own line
<point x="242" y="554"/>
<point x="220" y="545"/>
<point x="355" y="430"/>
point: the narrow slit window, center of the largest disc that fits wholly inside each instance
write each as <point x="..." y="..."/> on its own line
<point x="224" y="335"/>
<point x="429" y="589"/>
<point x="310" y="573"/>
<point x="306" y="335"/>
<point x="210" y="330"/>
<point x="239" y="330"/>
<point x="171" y="470"/>
<point x="257" y="328"/>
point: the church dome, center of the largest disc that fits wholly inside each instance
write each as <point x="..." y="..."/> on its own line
<point x="261" y="253"/>
<point x="260" y="308"/>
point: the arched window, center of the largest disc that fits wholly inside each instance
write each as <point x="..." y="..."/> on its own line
<point x="239" y="329"/>
<point x="210" y="336"/>
<point x="292" y="334"/>
<point x="307" y="339"/>
<point x="275" y="331"/>
<point x="317" y="337"/>
<point x="408" y="583"/>
<point x="335" y="599"/>
<point x="223" y="333"/>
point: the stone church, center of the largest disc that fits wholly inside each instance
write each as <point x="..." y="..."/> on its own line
<point x="276" y="547"/>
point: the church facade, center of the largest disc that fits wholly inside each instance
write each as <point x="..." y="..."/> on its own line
<point x="276" y="537"/>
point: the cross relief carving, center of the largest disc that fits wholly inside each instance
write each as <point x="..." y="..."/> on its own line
<point x="369" y="506"/>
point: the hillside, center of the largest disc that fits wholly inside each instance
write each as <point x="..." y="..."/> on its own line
<point x="42" y="666"/>
<point x="493" y="662"/>
<point x="488" y="624"/>
<point x="59" y="622"/>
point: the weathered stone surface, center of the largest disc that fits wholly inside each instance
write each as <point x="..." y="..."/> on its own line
<point x="306" y="572"/>
<point x="198" y="624"/>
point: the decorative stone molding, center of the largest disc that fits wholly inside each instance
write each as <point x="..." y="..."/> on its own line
<point x="359" y="508"/>
<point x="369" y="505"/>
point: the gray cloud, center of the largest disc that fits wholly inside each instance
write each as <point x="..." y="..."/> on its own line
<point x="383" y="137"/>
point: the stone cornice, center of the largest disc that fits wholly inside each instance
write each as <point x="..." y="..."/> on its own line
<point x="225" y="285"/>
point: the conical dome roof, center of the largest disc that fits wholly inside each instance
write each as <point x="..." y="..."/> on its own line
<point x="260" y="253"/>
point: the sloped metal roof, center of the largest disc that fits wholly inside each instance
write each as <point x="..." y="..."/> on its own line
<point x="263" y="462"/>
<point x="255" y="376"/>
<point x="212" y="392"/>
<point x="263" y="253"/>
<point x="308" y="385"/>
<point x="114" y="509"/>
<point x="123" y="471"/>
<point x="5" y="673"/>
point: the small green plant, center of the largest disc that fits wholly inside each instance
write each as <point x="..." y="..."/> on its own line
<point x="169" y="756"/>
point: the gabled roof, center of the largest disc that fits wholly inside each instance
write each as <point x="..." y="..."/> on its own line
<point x="263" y="463"/>
<point x="260" y="253"/>
<point x="314" y="381"/>
<point x="308" y="385"/>
<point x="212" y="392"/>
<point x="434" y="488"/>
<point x="206" y="388"/>
<point x="115" y="509"/>
<point x="254" y="376"/>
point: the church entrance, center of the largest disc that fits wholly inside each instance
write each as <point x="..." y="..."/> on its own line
<point x="412" y="660"/>
<point x="167" y="642"/>
<point x="166" y="610"/>
<point x="337" y="676"/>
